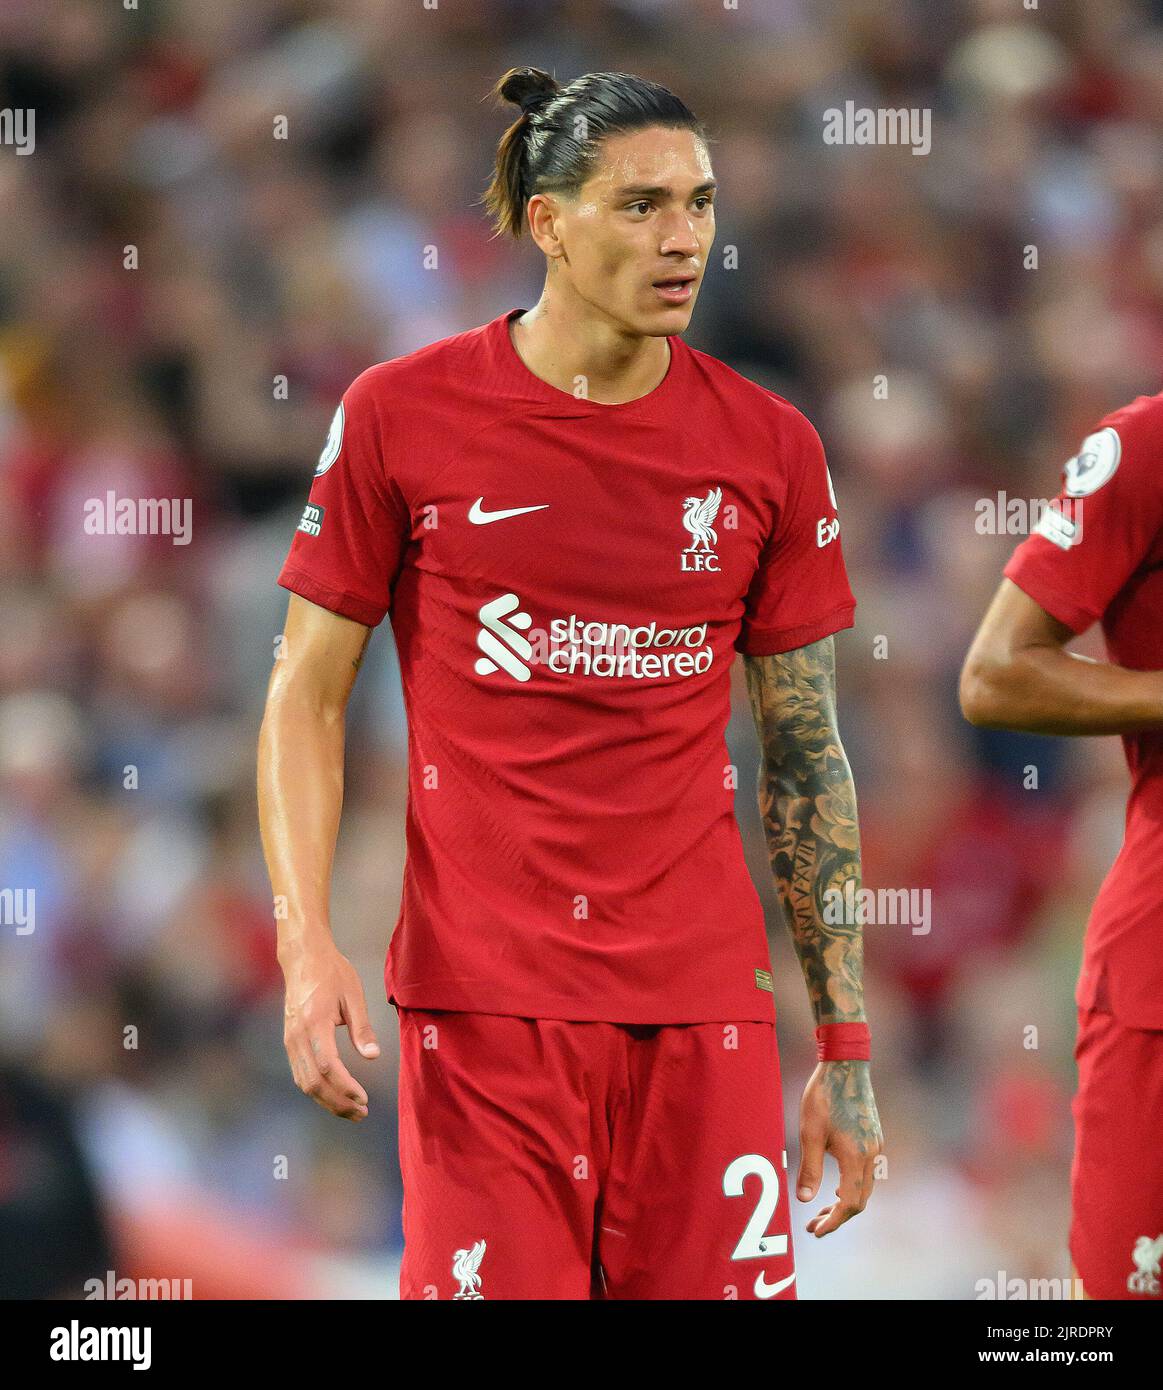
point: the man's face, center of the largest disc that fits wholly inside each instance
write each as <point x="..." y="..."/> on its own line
<point x="645" y="215"/>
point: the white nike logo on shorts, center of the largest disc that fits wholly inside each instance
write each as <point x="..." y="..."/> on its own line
<point x="765" y="1290"/>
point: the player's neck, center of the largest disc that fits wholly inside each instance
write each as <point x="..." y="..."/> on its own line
<point x="562" y="347"/>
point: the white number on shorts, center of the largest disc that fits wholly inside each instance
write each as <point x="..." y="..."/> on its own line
<point x="755" y="1243"/>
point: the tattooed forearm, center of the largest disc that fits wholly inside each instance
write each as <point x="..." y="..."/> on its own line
<point x="808" y="805"/>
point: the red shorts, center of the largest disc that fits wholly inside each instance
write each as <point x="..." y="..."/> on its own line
<point x="544" y="1159"/>
<point x="1116" y="1234"/>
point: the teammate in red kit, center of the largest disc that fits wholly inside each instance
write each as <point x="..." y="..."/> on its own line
<point x="575" y="522"/>
<point x="1097" y="556"/>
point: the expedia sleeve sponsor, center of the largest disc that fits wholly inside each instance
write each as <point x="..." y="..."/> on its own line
<point x="800" y="592"/>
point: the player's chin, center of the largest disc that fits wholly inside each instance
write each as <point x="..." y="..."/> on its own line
<point x="670" y="318"/>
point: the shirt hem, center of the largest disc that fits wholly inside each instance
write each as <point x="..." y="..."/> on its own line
<point x="1096" y="995"/>
<point x="454" y="1000"/>
<point x="347" y="605"/>
<point x="1075" y="618"/>
<point x="771" y="641"/>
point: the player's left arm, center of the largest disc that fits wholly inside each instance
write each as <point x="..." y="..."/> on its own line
<point x="807" y="801"/>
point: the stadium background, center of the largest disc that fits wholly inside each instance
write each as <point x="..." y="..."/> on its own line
<point x="305" y="258"/>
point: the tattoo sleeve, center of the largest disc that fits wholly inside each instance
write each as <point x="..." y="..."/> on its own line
<point x="808" y="806"/>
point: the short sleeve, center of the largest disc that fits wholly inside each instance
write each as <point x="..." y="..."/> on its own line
<point x="800" y="593"/>
<point x="348" y="546"/>
<point x="1104" y="524"/>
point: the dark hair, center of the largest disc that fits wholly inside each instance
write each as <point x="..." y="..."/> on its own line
<point x="553" y="145"/>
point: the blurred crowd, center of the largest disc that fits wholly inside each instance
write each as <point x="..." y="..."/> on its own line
<point x="223" y="220"/>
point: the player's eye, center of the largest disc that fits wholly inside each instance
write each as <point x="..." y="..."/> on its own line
<point x="642" y="203"/>
<point x="705" y="199"/>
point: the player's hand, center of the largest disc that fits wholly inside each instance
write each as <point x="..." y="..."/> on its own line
<point x="838" y="1116"/>
<point x="324" y="992"/>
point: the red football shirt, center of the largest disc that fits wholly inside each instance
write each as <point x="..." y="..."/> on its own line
<point x="1099" y="558"/>
<point x="568" y="584"/>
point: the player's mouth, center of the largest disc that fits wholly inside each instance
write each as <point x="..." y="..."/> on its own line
<point x="675" y="289"/>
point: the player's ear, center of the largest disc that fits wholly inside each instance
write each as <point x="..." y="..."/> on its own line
<point x="547" y="215"/>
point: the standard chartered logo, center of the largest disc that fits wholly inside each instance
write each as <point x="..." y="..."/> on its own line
<point x="575" y="647"/>
<point x="504" y="647"/>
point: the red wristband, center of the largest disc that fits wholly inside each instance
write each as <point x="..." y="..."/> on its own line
<point x="843" y="1042"/>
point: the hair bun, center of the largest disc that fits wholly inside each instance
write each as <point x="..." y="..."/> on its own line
<point x="528" y="88"/>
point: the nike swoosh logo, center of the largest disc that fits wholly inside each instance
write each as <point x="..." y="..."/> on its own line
<point x="479" y="517"/>
<point x="765" y="1290"/>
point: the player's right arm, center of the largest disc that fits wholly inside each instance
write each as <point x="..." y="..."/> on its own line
<point x="1018" y="675"/>
<point x="343" y="560"/>
<point x="300" y="794"/>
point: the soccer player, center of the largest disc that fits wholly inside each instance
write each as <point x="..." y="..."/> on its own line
<point x="575" y="521"/>
<point x="1097" y="556"/>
